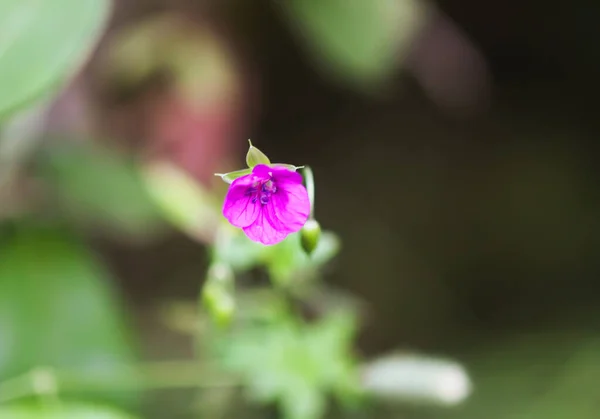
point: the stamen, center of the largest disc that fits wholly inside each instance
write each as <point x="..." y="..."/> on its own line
<point x="261" y="191"/>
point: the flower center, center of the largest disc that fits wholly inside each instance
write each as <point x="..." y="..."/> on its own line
<point x="262" y="191"/>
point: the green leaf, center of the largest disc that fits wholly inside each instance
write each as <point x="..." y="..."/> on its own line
<point x="287" y="260"/>
<point x="42" y="43"/>
<point x="303" y="402"/>
<point x="101" y="188"/>
<point x="232" y="247"/>
<point x="182" y="200"/>
<point x="359" y="41"/>
<point x="64" y="411"/>
<point x="58" y="310"/>
<point x="255" y="157"/>
<point x="294" y="364"/>
<point x="231" y="176"/>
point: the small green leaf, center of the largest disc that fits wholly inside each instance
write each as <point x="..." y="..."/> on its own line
<point x="42" y="43"/>
<point x="287" y="260"/>
<point x="231" y="176"/>
<point x="255" y="157"/>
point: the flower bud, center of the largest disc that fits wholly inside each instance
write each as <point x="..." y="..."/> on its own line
<point x="255" y="157"/>
<point x="310" y="235"/>
<point x="218" y="293"/>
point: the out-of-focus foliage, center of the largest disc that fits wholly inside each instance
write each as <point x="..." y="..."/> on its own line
<point x="360" y="42"/>
<point x="182" y="201"/>
<point x="294" y="364"/>
<point x="101" y="188"/>
<point x="549" y="375"/>
<point x="42" y="43"/>
<point x="63" y="411"/>
<point x="201" y="69"/>
<point x="57" y="309"/>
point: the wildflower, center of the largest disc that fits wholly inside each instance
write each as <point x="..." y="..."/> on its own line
<point x="267" y="204"/>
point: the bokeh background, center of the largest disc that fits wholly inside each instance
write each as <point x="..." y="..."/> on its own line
<point x="454" y="150"/>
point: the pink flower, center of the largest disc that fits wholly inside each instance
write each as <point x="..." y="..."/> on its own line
<point x="268" y="204"/>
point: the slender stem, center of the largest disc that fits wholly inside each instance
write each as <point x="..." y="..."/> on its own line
<point x="159" y="375"/>
<point x="309" y="180"/>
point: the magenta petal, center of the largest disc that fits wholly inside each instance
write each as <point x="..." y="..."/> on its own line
<point x="262" y="171"/>
<point x="238" y="207"/>
<point x="290" y="206"/>
<point x="263" y="232"/>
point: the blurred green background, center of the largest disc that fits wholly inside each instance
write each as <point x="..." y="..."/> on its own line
<point x="454" y="147"/>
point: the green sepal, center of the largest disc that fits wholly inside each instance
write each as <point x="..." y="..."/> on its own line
<point x="255" y="157"/>
<point x="287" y="166"/>
<point x="231" y="176"/>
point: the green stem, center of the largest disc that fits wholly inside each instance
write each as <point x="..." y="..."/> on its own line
<point x="309" y="180"/>
<point x="159" y="375"/>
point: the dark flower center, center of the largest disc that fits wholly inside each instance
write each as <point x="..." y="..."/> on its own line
<point x="261" y="191"/>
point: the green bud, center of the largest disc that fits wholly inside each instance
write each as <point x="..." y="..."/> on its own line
<point x="218" y="294"/>
<point x="310" y="236"/>
<point x="231" y="176"/>
<point x="255" y="156"/>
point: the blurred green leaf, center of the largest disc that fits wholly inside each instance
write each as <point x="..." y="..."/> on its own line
<point x="182" y="200"/>
<point x="235" y="249"/>
<point x="42" y="43"/>
<point x="102" y="188"/>
<point x="57" y="309"/>
<point x="64" y="411"/>
<point x="288" y="261"/>
<point x="294" y="364"/>
<point x="358" y="40"/>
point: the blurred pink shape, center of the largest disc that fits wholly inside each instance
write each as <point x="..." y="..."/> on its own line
<point x="196" y="139"/>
